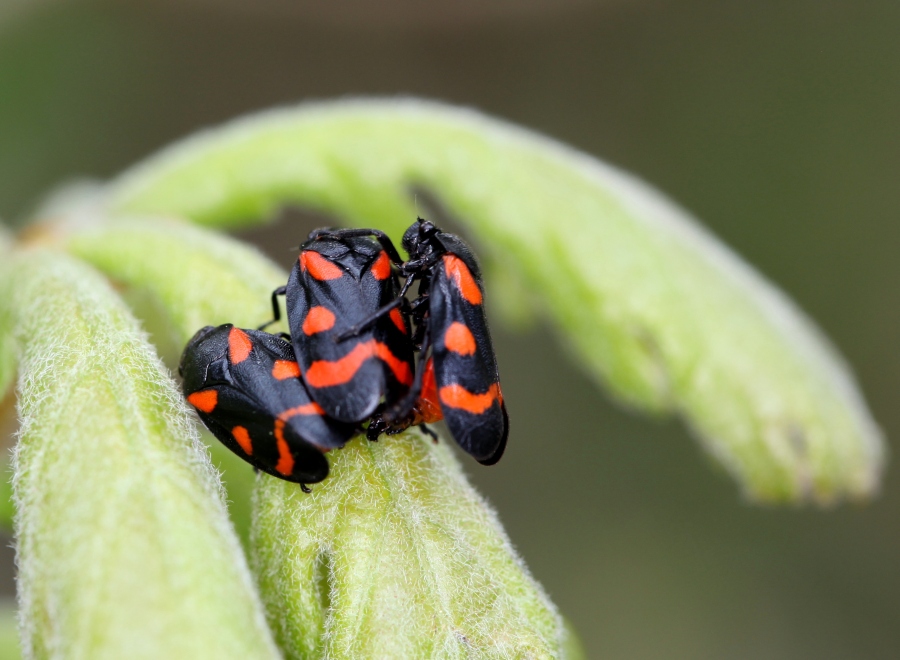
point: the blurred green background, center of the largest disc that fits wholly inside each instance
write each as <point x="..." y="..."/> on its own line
<point x="776" y="122"/>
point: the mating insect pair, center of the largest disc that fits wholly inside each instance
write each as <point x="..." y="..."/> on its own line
<point x="354" y="335"/>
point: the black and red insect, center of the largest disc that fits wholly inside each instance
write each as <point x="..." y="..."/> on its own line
<point x="459" y="369"/>
<point x="246" y="389"/>
<point x="337" y="282"/>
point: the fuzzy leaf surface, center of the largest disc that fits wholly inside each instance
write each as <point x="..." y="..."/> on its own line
<point x="179" y="278"/>
<point x="395" y="556"/>
<point x="124" y="545"/>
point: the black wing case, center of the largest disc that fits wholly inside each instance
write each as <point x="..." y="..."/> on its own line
<point x="253" y="438"/>
<point x="335" y="285"/>
<point x="464" y="362"/>
<point x="246" y="388"/>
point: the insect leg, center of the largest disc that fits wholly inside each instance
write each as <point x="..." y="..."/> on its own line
<point x="428" y="431"/>
<point x="276" y="309"/>
<point x="376" y="427"/>
<point x="419" y="265"/>
<point x="364" y="325"/>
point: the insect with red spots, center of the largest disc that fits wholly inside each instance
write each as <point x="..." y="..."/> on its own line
<point x="246" y="389"/>
<point x="337" y="282"/>
<point x="460" y="375"/>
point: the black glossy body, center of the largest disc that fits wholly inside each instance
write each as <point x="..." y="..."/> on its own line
<point x="351" y="278"/>
<point x="452" y="327"/>
<point x="261" y="409"/>
<point x="480" y="425"/>
<point x="482" y="434"/>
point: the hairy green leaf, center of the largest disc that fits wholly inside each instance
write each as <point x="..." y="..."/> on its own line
<point x="196" y="277"/>
<point x="663" y="313"/>
<point x="124" y="546"/>
<point x="181" y="278"/>
<point x="395" y="556"/>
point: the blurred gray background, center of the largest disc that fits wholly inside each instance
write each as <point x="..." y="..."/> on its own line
<point x="776" y="122"/>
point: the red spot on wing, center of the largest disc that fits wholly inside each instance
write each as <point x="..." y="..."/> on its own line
<point x="243" y="439"/>
<point x="323" y="373"/>
<point x="429" y="404"/>
<point x="239" y="345"/>
<point x="284" y="369"/>
<point x="285" y="463"/>
<point x="318" y="319"/>
<point x="318" y="266"/>
<point x="306" y="409"/>
<point x="381" y="269"/>
<point x="457" y="396"/>
<point x="397" y="318"/>
<point x="461" y="275"/>
<point x="204" y="401"/>
<point x="459" y="339"/>
<point x="401" y="369"/>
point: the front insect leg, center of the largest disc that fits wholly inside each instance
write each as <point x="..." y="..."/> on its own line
<point x="276" y="308"/>
<point x="418" y="302"/>
<point x="368" y="322"/>
<point x="376" y="427"/>
<point x="428" y="431"/>
<point x="421" y="265"/>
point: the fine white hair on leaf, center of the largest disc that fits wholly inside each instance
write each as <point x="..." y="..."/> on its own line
<point x="124" y="548"/>
<point x="196" y="277"/>
<point x="180" y="278"/>
<point x="395" y="556"/>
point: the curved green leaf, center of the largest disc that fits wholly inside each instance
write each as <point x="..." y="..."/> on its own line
<point x="196" y="277"/>
<point x="662" y="312"/>
<point x="395" y="556"/>
<point x="181" y="278"/>
<point x="124" y="547"/>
